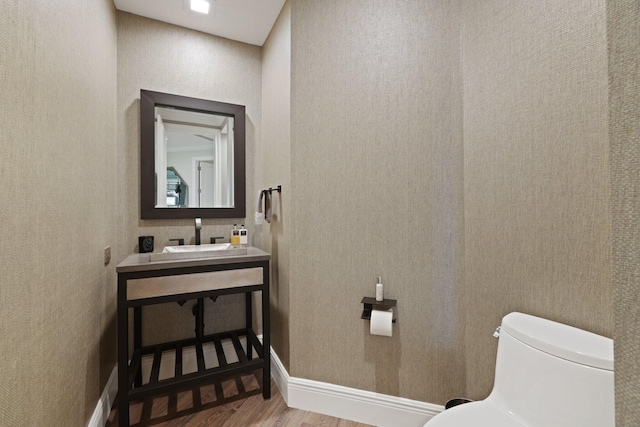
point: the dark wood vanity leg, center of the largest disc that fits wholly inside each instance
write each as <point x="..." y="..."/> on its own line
<point x="123" y="353"/>
<point x="249" y="320"/>
<point x="137" y="339"/>
<point x="266" y="334"/>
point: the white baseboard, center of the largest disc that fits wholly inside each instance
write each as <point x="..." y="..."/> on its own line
<point x="349" y="403"/>
<point x="103" y="408"/>
<point x="342" y="402"/>
<point x="280" y="376"/>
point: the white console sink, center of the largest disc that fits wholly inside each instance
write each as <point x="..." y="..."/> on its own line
<point x="198" y="251"/>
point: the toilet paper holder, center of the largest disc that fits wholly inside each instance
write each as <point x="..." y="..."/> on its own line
<point x="370" y="302"/>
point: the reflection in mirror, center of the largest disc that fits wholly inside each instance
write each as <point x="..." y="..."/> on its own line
<point x="198" y="148"/>
<point x="192" y="157"/>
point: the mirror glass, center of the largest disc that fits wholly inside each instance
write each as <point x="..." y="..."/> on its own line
<point x="192" y="157"/>
<point x="195" y="152"/>
<point x="177" y="189"/>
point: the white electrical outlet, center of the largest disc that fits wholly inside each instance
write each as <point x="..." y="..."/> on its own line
<point x="107" y="255"/>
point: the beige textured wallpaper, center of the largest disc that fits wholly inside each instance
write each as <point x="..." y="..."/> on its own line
<point x="275" y="166"/>
<point x="161" y="57"/>
<point x="376" y="183"/>
<point x="58" y="210"/>
<point x="623" y="29"/>
<point x="481" y="157"/>
<point x="536" y="195"/>
<point x="461" y="153"/>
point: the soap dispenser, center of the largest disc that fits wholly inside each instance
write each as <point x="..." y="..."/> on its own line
<point x="235" y="236"/>
<point x="244" y="236"/>
<point x="379" y="290"/>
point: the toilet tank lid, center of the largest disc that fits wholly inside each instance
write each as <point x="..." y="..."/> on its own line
<point x="560" y="340"/>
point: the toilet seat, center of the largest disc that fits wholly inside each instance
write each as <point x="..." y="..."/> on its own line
<point x="475" y="414"/>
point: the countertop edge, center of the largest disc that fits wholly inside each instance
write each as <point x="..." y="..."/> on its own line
<point x="140" y="262"/>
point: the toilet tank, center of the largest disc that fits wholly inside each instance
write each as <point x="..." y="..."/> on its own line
<point x="551" y="374"/>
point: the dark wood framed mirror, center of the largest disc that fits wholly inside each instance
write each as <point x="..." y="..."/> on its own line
<point x="192" y="157"/>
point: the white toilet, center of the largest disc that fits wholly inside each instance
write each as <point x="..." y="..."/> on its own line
<point x="547" y="375"/>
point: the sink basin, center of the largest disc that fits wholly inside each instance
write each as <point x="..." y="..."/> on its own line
<point x="198" y="251"/>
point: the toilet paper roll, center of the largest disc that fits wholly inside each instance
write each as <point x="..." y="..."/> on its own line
<point x="381" y="322"/>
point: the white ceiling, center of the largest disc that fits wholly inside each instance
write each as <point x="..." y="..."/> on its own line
<point x="248" y="21"/>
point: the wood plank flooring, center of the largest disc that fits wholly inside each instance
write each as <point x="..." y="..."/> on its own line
<point x="236" y="402"/>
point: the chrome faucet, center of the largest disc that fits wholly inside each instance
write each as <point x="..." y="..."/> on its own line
<point x="198" y="227"/>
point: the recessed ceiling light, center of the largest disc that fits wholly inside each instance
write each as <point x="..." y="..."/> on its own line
<point x="201" y="6"/>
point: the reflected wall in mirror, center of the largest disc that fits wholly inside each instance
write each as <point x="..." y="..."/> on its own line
<point x="192" y="155"/>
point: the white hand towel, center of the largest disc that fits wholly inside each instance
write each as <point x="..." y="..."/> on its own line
<point x="259" y="214"/>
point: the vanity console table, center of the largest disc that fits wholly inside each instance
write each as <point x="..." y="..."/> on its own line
<point x="142" y="282"/>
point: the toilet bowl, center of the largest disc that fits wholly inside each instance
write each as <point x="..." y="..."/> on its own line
<point x="547" y="374"/>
